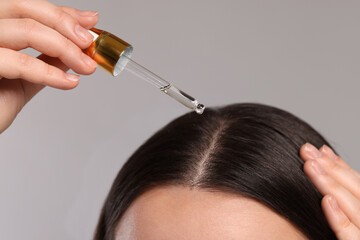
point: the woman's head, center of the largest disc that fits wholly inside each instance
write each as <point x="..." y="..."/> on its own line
<point x="232" y="173"/>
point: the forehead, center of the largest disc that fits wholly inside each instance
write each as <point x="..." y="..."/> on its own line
<point x="179" y="213"/>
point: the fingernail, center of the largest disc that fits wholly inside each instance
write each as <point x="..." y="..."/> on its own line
<point x="312" y="151"/>
<point x="72" y="77"/>
<point x="87" y="13"/>
<point x="333" y="203"/>
<point x="83" y="34"/>
<point x="327" y="150"/>
<point x="88" y="60"/>
<point x="318" y="169"/>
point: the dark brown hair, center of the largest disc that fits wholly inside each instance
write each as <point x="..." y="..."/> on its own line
<point x="247" y="149"/>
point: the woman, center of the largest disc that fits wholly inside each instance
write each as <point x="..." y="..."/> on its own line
<point x="233" y="173"/>
<point x="200" y="154"/>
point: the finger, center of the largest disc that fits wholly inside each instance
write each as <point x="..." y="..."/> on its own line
<point x="309" y="152"/>
<point x="31" y="89"/>
<point x="19" y="65"/>
<point x="342" y="173"/>
<point x="15" y="93"/>
<point x="327" y="185"/>
<point x="52" y="16"/>
<point x="345" y="176"/>
<point x="338" y="221"/>
<point x="87" y="19"/>
<point x="327" y="151"/>
<point x="23" y="33"/>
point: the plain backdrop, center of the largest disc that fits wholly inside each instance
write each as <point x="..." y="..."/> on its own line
<point x="60" y="156"/>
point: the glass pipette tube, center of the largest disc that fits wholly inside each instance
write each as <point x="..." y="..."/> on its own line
<point x="164" y="86"/>
<point x="113" y="54"/>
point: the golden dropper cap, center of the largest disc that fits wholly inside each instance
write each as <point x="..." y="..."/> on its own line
<point x="109" y="51"/>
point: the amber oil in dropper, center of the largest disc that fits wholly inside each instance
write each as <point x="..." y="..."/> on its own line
<point x="107" y="51"/>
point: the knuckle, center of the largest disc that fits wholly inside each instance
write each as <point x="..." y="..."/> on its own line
<point x="49" y="71"/>
<point x="334" y="166"/>
<point x="25" y="60"/>
<point x="333" y="186"/>
<point x="345" y="224"/>
<point x="65" y="46"/>
<point x="338" y="159"/>
<point x="67" y="43"/>
<point x="28" y="25"/>
<point x="60" y="17"/>
<point x="20" y="6"/>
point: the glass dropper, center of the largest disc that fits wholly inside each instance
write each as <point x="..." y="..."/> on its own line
<point x="114" y="55"/>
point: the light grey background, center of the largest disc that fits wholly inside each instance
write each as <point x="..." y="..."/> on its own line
<point x="60" y="156"/>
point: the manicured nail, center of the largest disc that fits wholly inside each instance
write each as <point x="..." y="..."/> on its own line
<point x="318" y="169"/>
<point x="88" y="60"/>
<point x="312" y="151"/>
<point x="83" y="34"/>
<point x="72" y="77"/>
<point x="327" y="150"/>
<point x="333" y="203"/>
<point x="87" y="13"/>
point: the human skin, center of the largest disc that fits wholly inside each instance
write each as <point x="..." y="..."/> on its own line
<point x="340" y="186"/>
<point x="181" y="213"/>
<point x="57" y="32"/>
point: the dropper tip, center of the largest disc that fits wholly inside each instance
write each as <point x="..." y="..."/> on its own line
<point x="200" y="108"/>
